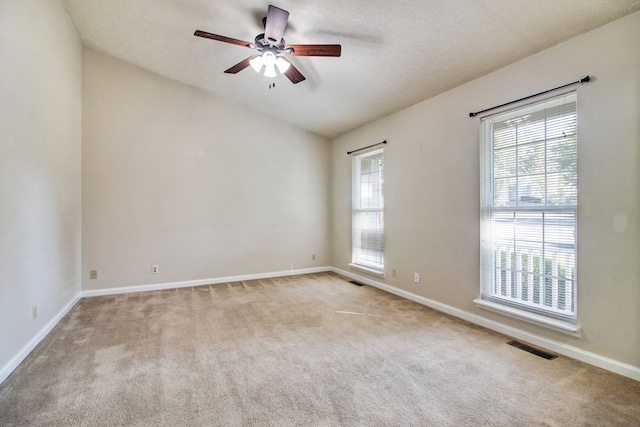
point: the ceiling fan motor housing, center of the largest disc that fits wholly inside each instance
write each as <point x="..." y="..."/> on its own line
<point x="264" y="44"/>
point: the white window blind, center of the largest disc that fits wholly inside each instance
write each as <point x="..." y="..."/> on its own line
<point x="529" y="207"/>
<point x="368" y="210"/>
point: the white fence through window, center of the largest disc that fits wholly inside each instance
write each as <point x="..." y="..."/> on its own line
<point x="527" y="276"/>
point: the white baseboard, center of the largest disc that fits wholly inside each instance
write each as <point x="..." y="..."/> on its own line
<point x="612" y="365"/>
<point x="200" y="282"/>
<point x="12" y="364"/>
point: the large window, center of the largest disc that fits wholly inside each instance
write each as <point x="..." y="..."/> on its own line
<point x="368" y="211"/>
<point x="528" y="212"/>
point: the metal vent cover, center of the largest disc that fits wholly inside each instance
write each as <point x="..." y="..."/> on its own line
<point x="532" y="350"/>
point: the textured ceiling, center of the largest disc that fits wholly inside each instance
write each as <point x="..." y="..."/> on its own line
<point x="394" y="53"/>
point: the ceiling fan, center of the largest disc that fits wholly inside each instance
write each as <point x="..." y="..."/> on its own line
<point x="272" y="49"/>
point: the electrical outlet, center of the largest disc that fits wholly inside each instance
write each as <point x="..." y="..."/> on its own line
<point x="93" y="274"/>
<point x="416" y="277"/>
<point x="34" y="312"/>
<point x="394" y="273"/>
<point x="154" y="269"/>
<point x="313" y="257"/>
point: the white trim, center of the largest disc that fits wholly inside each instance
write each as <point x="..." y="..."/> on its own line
<point x="200" y="282"/>
<point x="594" y="359"/>
<point x="368" y="270"/>
<point x="12" y="364"/>
<point x="537" y="319"/>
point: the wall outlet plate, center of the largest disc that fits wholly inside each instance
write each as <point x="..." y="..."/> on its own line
<point x="416" y="277"/>
<point x="154" y="269"/>
<point x="93" y="274"/>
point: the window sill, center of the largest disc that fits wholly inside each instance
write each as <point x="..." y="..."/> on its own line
<point x="368" y="270"/>
<point x="537" y="319"/>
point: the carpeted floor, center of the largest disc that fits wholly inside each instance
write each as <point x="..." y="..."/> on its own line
<point x="310" y="350"/>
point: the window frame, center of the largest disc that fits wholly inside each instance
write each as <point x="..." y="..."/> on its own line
<point x="518" y="306"/>
<point x="358" y="260"/>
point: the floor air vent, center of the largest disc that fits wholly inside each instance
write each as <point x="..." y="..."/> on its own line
<point x="532" y="350"/>
<point x="356" y="283"/>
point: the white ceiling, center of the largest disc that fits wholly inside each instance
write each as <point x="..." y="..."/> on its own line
<point x="395" y="53"/>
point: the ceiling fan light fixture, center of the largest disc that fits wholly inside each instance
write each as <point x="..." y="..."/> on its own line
<point x="283" y="65"/>
<point x="270" y="71"/>
<point x="269" y="61"/>
<point x="256" y="63"/>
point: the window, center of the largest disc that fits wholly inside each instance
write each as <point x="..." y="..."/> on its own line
<point x="528" y="210"/>
<point x="368" y="212"/>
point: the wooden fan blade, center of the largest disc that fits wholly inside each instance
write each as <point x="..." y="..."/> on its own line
<point x="315" y="49"/>
<point x="293" y="74"/>
<point x="240" y="65"/>
<point x="276" y="22"/>
<point x="222" y="38"/>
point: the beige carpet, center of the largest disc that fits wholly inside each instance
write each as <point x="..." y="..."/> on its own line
<point x="309" y="350"/>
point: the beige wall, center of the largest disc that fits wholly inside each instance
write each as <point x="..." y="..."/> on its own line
<point x="432" y="187"/>
<point x="175" y="177"/>
<point x="40" y="118"/>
